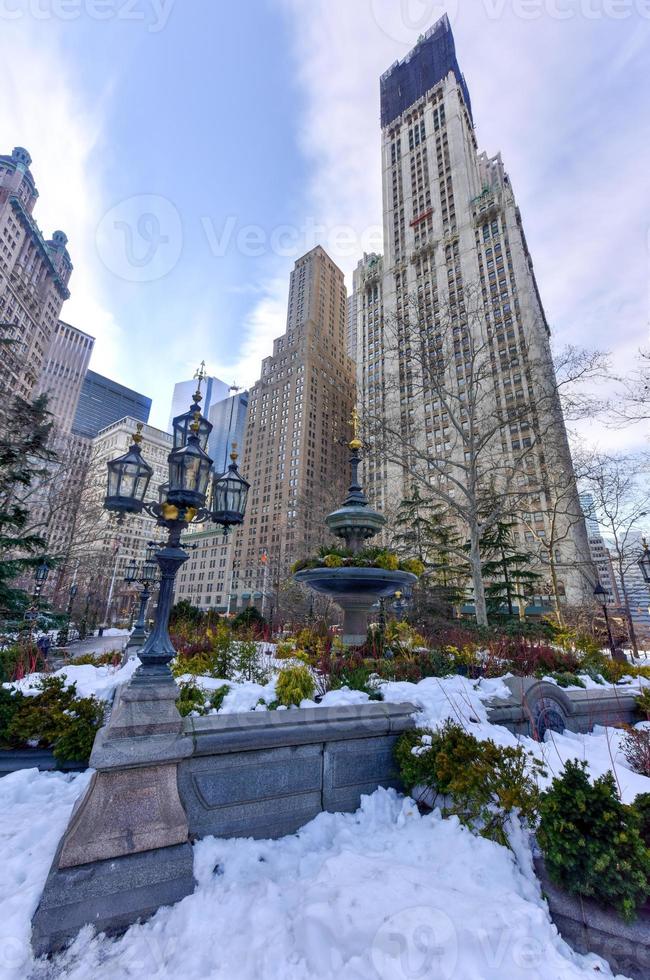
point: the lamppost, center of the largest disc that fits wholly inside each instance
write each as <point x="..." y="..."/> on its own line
<point x="83" y="626"/>
<point x="181" y="502"/>
<point x="41" y="572"/>
<point x="64" y="633"/>
<point x="601" y="597"/>
<point x="146" y="576"/>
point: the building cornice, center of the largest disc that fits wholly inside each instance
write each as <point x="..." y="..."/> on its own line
<point x="34" y="233"/>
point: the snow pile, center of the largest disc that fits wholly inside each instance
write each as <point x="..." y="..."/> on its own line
<point x="34" y="812"/>
<point x="100" y="681"/>
<point x="384" y="893"/>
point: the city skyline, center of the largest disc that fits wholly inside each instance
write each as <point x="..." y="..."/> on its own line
<point x="231" y="306"/>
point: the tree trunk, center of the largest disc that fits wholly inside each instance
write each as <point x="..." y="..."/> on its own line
<point x="477" y="577"/>
<point x="556" y="591"/>
<point x="628" y="616"/>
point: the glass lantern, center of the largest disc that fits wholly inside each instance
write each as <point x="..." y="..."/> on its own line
<point x="189" y="473"/>
<point x="128" y="480"/>
<point x="229" y="496"/>
<point x="149" y="568"/>
<point x="41" y="572"/>
<point x="163" y="490"/>
<point x="644" y="562"/>
<point x="131" y="572"/>
<point x="183" y="426"/>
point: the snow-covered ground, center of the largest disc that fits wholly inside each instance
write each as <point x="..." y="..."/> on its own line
<point x="383" y="893"/>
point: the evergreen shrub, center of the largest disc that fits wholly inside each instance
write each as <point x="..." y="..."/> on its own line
<point x="591" y="842"/>
<point x="484" y="783"/>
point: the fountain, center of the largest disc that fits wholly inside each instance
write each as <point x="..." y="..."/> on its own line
<point x="355" y="589"/>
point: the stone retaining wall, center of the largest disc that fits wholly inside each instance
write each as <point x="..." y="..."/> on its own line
<point x="589" y="928"/>
<point x="265" y="774"/>
<point x="538" y="706"/>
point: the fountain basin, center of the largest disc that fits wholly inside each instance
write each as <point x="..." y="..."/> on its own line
<point x="356" y="590"/>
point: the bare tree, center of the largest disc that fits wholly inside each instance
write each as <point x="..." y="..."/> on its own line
<point x="492" y="414"/>
<point x="618" y="486"/>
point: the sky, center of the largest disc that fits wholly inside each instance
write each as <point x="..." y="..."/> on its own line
<point x="192" y="150"/>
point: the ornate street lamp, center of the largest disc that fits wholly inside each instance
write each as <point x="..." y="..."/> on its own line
<point x="181" y="503"/>
<point x="146" y="576"/>
<point x="183" y="425"/>
<point x="644" y="562"/>
<point x="128" y="479"/>
<point x="40" y="574"/>
<point x="229" y="494"/>
<point x="601" y="597"/>
<point x="64" y="634"/>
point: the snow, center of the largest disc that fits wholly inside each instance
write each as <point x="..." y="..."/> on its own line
<point x="384" y="893"/>
<point x="34" y="811"/>
<point x="100" y="681"/>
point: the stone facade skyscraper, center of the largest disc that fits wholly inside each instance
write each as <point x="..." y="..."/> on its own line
<point x="452" y="229"/>
<point x="63" y="373"/>
<point x="34" y="275"/>
<point x="294" y="453"/>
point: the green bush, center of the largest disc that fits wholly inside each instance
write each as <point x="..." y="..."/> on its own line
<point x="641" y="806"/>
<point x="249" y="619"/>
<point x="566" y="679"/>
<point x="643" y="702"/>
<point x="56" y="718"/>
<point x="293" y="685"/>
<point x="357" y="679"/>
<point x="217" y="697"/>
<point x="247" y="663"/>
<point x="10" y="704"/>
<point x="112" y="658"/>
<point x="591" y="841"/>
<point x="191" y="698"/>
<point x="485" y="783"/>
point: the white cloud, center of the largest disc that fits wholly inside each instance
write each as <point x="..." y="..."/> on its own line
<point x="541" y="94"/>
<point x="43" y="110"/>
<point x="265" y="321"/>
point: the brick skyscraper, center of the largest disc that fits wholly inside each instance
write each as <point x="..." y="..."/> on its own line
<point x="294" y="455"/>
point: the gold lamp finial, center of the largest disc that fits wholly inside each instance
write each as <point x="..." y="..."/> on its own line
<point x="137" y="435"/>
<point x="355" y="422"/>
<point x="199" y="375"/>
<point x="234" y="455"/>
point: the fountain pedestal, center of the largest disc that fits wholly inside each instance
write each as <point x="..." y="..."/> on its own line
<point x="355" y="589"/>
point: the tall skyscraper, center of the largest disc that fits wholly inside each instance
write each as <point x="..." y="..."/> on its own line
<point x="212" y="389"/>
<point x="63" y="373"/>
<point x="228" y="418"/>
<point x="294" y="453"/>
<point x="103" y="402"/>
<point x="452" y="228"/>
<point x="34" y="276"/>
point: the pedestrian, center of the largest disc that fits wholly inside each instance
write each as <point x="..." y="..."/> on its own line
<point x="43" y="645"/>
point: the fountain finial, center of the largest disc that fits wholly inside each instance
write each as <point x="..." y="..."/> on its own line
<point x="355" y="443"/>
